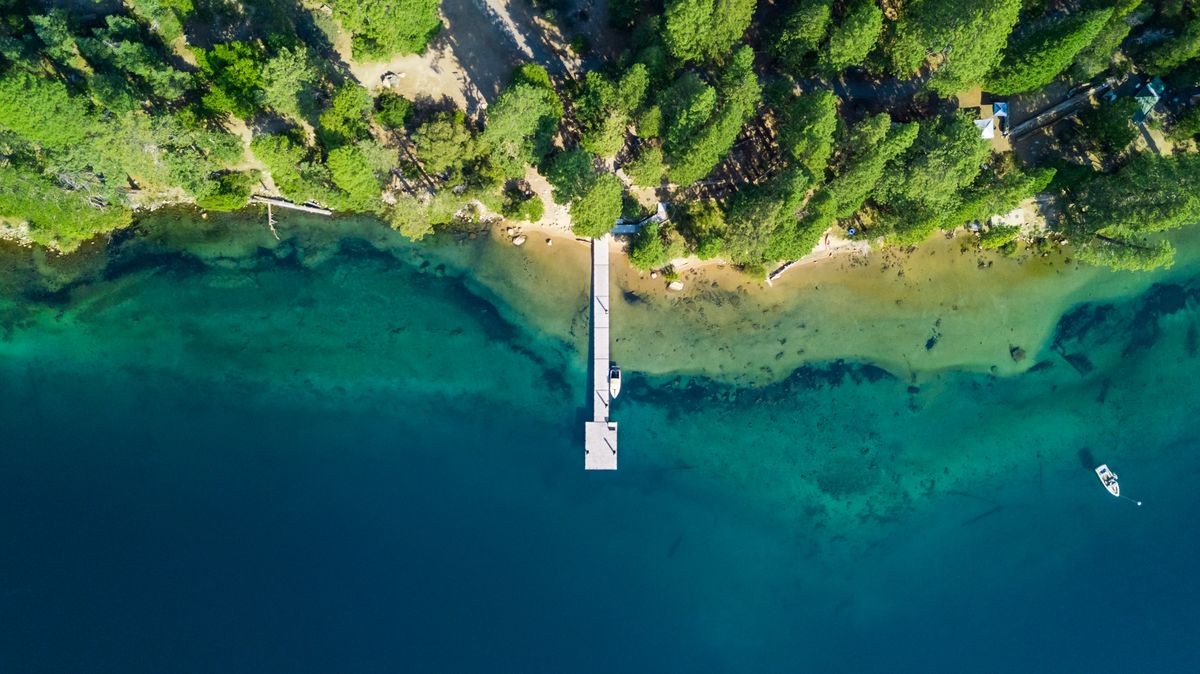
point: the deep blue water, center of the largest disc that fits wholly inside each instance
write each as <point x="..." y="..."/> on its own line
<point x="358" y="467"/>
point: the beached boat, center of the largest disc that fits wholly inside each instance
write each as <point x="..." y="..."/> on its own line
<point x="1108" y="479"/>
<point x="614" y="381"/>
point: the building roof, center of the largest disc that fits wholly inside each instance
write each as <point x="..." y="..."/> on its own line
<point x="1147" y="97"/>
<point x="987" y="127"/>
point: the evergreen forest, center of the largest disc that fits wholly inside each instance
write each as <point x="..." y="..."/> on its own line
<point x="763" y="126"/>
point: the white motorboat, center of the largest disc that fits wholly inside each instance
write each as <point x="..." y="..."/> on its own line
<point x="614" y="381"/>
<point x="1108" y="479"/>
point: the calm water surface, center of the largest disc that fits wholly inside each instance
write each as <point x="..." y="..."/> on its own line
<point x="340" y="453"/>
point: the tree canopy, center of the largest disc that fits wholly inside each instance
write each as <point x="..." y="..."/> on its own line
<point x="694" y="155"/>
<point x="381" y="28"/>
<point x="1114" y="217"/>
<point x="807" y="127"/>
<point x="803" y="30"/>
<point x="853" y="37"/>
<point x="969" y="34"/>
<point x="1033" y="61"/>
<point x="1175" y="51"/>
<point x="521" y="122"/>
<point x="705" y="30"/>
<point x="596" y="210"/>
<point x="151" y="102"/>
<point x="444" y="143"/>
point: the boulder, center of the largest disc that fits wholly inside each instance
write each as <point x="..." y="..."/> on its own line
<point x="519" y="240"/>
<point x="675" y="285"/>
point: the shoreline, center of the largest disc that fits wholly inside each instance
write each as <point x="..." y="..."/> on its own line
<point x="941" y="306"/>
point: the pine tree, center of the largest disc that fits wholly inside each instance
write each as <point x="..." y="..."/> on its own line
<point x="853" y="36"/>
<point x="1035" y="60"/>
<point x="970" y="34"/>
<point x="705" y="30"/>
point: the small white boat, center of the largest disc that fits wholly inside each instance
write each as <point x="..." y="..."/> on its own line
<point x="1108" y="479"/>
<point x="614" y="381"/>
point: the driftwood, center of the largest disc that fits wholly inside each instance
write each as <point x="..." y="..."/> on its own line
<point x="271" y="201"/>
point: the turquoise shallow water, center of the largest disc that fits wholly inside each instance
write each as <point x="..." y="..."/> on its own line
<point x="352" y="457"/>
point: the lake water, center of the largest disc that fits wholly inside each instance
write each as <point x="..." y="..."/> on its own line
<point x="345" y="453"/>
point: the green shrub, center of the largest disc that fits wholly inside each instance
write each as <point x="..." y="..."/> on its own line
<point x="229" y="191"/>
<point x="55" y="216"/>
<point x="998" y="236"/>
<point x="521" y="207"/>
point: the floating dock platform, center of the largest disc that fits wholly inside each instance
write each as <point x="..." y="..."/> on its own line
<point x="600" y="434"/>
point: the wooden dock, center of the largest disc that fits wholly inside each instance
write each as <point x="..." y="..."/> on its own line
<point x="600" y="434"/>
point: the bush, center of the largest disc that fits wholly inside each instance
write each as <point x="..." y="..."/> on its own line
<point x="521" y="207"/>
<point x="229" y="191"/>
<point x="55" y="216"/>
<point x="703" y="224"/>
<point x="998" y="236"/>
<point x="353" y="171"/>
<point x="293" y="167"/>
<point x="411" y="218"/>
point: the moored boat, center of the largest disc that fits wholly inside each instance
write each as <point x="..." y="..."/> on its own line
<point x="614" y="381"/>
<point x="1108" y="479"/>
